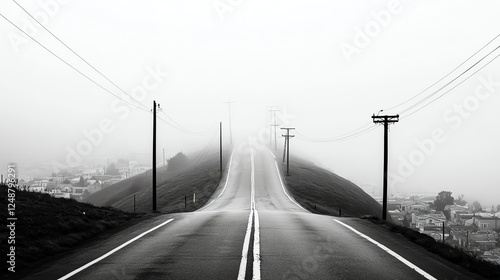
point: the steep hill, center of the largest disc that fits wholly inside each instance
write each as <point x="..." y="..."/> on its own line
<point x="323" y="192"/>
<point x="199" y="176"/>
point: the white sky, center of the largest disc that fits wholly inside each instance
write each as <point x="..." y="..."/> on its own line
<point x="262" y="53"/>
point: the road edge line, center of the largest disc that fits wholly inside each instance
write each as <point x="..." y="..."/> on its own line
<point x="78" y="270"/>
<point x="390" y="252"/>
<point x="283" y="187"/>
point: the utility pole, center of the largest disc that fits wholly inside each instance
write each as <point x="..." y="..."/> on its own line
<point x="230" y="131"/>
<point x="154" y="155"/>
<point x="163" y="157"/>
<point x="275" y="124"/>
<point x="386" y="120"/>
<point x="220" y="150"/>
<point x="284" y="152"/>
<point x="287" y="140"/>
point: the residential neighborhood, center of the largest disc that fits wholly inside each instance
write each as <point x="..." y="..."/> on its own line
<point x="471" y="228"/>
<point x="78" y="184"/>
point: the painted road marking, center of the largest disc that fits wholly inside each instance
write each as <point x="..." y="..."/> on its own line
<point x="225" y="184"/>
<point x="228" y="172"/>
<point x="256" y="238"/>
<point x="112" y="251"/>
<point x="390" y="252"/>
<point x="283" y="187"/>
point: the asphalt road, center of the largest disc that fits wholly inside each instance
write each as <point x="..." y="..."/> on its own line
<point x="251" y="228"/>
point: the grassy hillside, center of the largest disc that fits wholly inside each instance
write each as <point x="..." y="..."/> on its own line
<point x="47" y="226"/>
<point x="200" y="177"/>
<point x="323" y="192"/>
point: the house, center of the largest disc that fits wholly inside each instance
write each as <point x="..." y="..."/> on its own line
<point x="454" y="210"/>
<point x="482" y="240"/>
<point x="66" y="188"/>
<point x="462" y="217"/>
<point x="398" y="217"/>
<point x="58" y="194"/>
<point x="485" y="222"/>
<point x="89" y="173"/>
<point x="424" y="218"/>
<point x="414" y="206"/>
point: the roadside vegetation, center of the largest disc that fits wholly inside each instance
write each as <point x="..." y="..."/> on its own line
<point x="457" y="255"/>
<point x="47" y="226"/>
<point x="178" y="183"/>
<point x="323" y="192"/>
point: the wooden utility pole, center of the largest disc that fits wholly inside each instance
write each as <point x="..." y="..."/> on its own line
<point x="220" y="150"/>
<point x="230" y="130"/>
<point x="154" y="155"/>
<point x="386" y="120"/>
<point x="287" y="139"/>
<point x="284" y="152"/>
<point x="275" y="124"/>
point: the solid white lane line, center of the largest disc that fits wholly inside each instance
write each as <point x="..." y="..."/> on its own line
<point x="112" y="251"/>
<point x="271" y="153"/>
<point x="389" y="251"/>
<point x="201" y="209"/>
<point x="228" y="172"/>
<point x="256" y="248"/>
<point x="225" y="184"/>
<point x="283" y="187"/>
<point x="246" y="244"/>
<point x="256" y="235"/>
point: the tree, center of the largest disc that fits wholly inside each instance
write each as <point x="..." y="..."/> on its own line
<point x="476" y="206"/>
<point x="442" y="199"/>
<point x="81" y="183"/>
<point x="177" y="162"/>
<point x="112" y="170"/>
<point x="460" y="201"/>
<point x="498" y="207"/>
<point x="405" y="222"/>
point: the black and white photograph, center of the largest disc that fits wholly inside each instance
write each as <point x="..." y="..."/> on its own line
<point x="250" y="139"/>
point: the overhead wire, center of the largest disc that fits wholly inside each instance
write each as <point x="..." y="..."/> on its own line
<point x="461" y="82"/>
<point x="176" y="125"/>
<point x="448" y="83"/>
<point x="79" y="56"/>
<point x="72" y="67"/>
<point x="449" y="73"/>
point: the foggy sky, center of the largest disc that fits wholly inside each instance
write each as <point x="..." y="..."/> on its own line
<point x="191" y="56"/>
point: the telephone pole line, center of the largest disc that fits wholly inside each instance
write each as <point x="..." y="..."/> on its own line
<point x="154" y="154"/>
<point x="287" y="144"/>
<point x="220" y="150"/>
<point x="230" y="131"/>
<point x="386" y="120"/>
<point x="275" y="124"/>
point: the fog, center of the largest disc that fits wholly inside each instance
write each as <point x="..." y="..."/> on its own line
<point x="328" y="66"/>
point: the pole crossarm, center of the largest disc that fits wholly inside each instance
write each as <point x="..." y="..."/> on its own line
<point x="385" y="119"/>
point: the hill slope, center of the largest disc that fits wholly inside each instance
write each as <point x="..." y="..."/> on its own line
<point x="311" y="185"/>
<point x="47" y="226"/>
<point x="198" y="176"/>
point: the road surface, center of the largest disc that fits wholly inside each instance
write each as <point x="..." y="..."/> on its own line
<point x="251" y="229"/>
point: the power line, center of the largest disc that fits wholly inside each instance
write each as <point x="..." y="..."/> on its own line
<point x="353" y="134"/>
<point x="84" y="60"/>
<point x="446" y="92"/>
<point x="176" y="125"/>
<point x="447" y="84"/>
<point x="449" y="73"/>
<point x="72" y="67"/>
